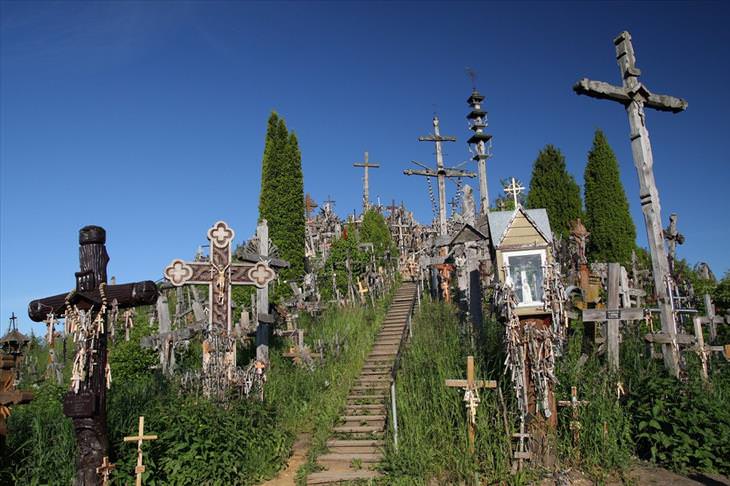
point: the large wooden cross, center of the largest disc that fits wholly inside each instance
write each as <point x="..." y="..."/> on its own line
<point x="635" y="96"/>
<point x="366" y="181"/>
<point x="219" y="273"/>
<point x="441" y="172"/>
<point x="139" y="438"/>
<point x="87" y="406"/>
<point x="471" y="388"/>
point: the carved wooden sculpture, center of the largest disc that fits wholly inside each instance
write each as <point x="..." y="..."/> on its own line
<point x="87" y="303"/>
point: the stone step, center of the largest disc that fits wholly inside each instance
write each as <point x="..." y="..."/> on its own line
<point x="334" y="477"/>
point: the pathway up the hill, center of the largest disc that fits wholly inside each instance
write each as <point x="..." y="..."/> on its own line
<point x="356" y="444"/>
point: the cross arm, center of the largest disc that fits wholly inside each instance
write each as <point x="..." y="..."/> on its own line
<point x="427" y="172"/>
<point x="477" y="383"/>
<point x="126" y="295"/>
<point x="606" y="91"/>
<point x="459" y="173"/>
<point x="358" y="164"/>
<point x="15" y="397"/>
<point x="436" y="138"/>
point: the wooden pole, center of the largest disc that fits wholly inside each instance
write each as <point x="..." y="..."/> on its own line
<point x="612" y="324"/>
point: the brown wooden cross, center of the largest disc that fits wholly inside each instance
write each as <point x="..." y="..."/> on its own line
<point x="8" y="394"/>
<point x="574" y="403"/>
<point x="471" y="396"/>
<point x="139" y="438"/>
<point x="219" y="273"/>
<point x="105" y="470"/>
<point x="87" y="406"/>
<point x="635" y="96"/>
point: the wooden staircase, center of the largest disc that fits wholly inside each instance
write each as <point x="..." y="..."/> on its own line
<point x="356" y="445"/>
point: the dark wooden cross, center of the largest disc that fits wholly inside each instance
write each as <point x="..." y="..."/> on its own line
<point x="673" y="238"/>
<point x="8" y="394"/>
<point x="635" y="96"/>
<point x="471" y="388"/>
<point x="87" y="407"/>
<point x="574" y="403"/>
<point x="366" y="181"/>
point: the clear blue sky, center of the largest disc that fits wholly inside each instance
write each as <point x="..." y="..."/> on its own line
<point x="149" y="118"/>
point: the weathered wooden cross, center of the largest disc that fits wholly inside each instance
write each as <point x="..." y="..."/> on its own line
<point x="366" y="181"/>
<point x="441" y="172"/>
<point x="139" y="438"/>
<point x="710" y="318"/>
<point x="673" y="238"/>
<point x="87" y="406"/>
<point x="574" y="403"/>
<point x="105" y="470"/>
<point x="635" y="96"/>
<point x="471" y="388"/>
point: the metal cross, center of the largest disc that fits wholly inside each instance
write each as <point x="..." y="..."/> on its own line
<point x="140" y="438"/>
<point x="635" y="96"/>
<point x="514" y="189"/>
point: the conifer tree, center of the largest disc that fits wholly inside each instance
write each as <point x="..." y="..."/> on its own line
<point x="375" y="230"/>
<point x="613" y="234"/>
<point x="281" y="201"/>
<point x="553" y="188"/>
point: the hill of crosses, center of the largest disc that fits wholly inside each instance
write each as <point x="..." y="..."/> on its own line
<point x="526" y="342"/>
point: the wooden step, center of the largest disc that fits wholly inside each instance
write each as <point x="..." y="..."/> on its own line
<point x="351" y="456"/>
<point x="355" y="450"/>
<point x="334" y="477"/>
<point x="362" y="418"/>
<point x="360" y="442"/>
<point x="380" y="397"/>
<point x="350" y="429"/>
<point x="374" y="378"/>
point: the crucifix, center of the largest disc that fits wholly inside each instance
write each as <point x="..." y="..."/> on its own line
<point x="85" y="310"/>
<point x="574" y="403"/>
<point x="635" y="96"/>
<point x="220" y="273"/>
<point x="365" y="181"/>
<point x="441" y="172"/>
<point x="105" y="470"/>
<point x="514" y="189"/>
<point x="673" y="238"/>
<point x="471" y="388"/>
<point x="139" y="438"/>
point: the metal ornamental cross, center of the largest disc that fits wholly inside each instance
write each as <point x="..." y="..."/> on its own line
<point x="471" y="396"/>
<point x="635" y="96"/>
<point x="220" y="272"/>
<point x="514" y="189"/>
<point x="139" y="438"/>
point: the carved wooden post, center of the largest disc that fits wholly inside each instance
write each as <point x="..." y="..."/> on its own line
<point x="87" y="407"/>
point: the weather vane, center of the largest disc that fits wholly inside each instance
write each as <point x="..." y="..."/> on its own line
<point x="473" y="76"/>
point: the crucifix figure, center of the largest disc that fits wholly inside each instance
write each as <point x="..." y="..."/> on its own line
<point x="441" y="172"/>
<point x="514" y="189"/>
<point x="574" y="403"/>
<point x="673" y="238"/>
<point x="635" y="96"/>
<point x="365" y="181"/>
<point x="139" y="438"/>
<point x="85" y="310"/>
<point x="105" y="470"/>
<point x="219" y="273"/>
<point x="471" y="388"/>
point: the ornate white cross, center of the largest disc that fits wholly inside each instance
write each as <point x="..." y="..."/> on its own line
<point x="514" y="189"/>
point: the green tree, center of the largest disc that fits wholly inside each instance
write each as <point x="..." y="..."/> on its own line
<point x="613" y="234"/>
<point x="553" y="188"/>
<point x="281" y="202"/>
<point x="375" y="230"/>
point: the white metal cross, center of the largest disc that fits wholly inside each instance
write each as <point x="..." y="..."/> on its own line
<point x="514" y="188"/>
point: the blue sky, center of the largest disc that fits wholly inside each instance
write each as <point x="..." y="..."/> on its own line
<point x="149" y="118"/>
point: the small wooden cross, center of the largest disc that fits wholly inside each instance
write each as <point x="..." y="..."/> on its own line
<point x="471" y="396"/>
<point x="140" y="437"/>
<point x="514" y="189"/>
<point x="105" y="470"/>
<point x="574" y="403"/>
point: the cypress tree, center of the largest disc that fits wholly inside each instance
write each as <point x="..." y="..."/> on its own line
<point x="613" y="234"/>
<point x="553" y="188"/>
<point x="281" y="201"/>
